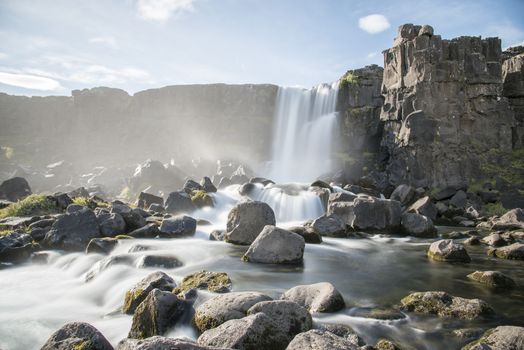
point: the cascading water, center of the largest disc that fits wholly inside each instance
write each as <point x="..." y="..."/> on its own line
<point x="304" y="126"/>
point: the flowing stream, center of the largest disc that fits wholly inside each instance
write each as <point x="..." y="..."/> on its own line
<point x="38" y="298"/>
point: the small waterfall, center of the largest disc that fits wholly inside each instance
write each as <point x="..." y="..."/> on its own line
<point x="304" y="126"/>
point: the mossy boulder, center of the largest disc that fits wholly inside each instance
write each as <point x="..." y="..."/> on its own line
<point x="33" y="205"/>
<point x="447" y="250"/>
<point x="217" y="282"/>
<point x="201" y="198"/>
<point x="320" y="339"/>
<point x="139" y="292"/>
<point x="384" y="344"/>
<point x="494" y="279"/>
<point x="500" y="338"/>
<point x="77" y="336"/>
<point x="514" y="251"/>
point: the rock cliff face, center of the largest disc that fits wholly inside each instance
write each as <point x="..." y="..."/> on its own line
<point x="513" y="89"/>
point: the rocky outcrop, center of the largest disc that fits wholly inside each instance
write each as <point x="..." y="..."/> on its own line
<point x="513" y="89"/>
<point x="77" y="335"/>
<point x="502" y="337"/>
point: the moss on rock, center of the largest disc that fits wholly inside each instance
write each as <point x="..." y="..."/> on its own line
<point x="217" y="282"/>
<point x="33" y="205"/>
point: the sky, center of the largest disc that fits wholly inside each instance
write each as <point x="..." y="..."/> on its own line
<point x="50" y="47"/>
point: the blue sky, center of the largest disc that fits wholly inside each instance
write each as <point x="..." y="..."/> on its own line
<point x="50" y="47"/>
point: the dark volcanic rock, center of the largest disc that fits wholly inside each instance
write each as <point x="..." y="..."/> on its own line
<point x="15" y="246"/>
<point x="179" y="202"/>
<point x="139" y="292"/>
<point x="14" y="189"/>
<point x="73" y="231"/>
<point x="146" y="199"/>
<point x="178" y="226"/>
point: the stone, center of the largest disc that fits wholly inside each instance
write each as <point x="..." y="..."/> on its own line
<point x="308" y="233"/>
<point x="445" y="193"/>
<point x="472" y="241"/>
<point x="217" y="235"/>
<point x="157" y="208"/>
<point x="101" y="245"/>
<point x="495" y="240"/>
<point x="316" y="339"/>
<point x="444" y="305"/>
<point x="147" y="231"/>
<point x="73" y="231"/>
<point x="499" y="338"/>
<point x="191" y="186"/>
<point x="459" y="199"/>
<point x="329" y="225"/>
<point x="513" y="219"/>
<point x="146" y="199"/>
<point x="424" y="206"/>
<point x="216" y="282"/>
<point x="159" y="312"/>
<point x="246" y="220"/>
<point x="246" y="189"/>
<point x="111" y="224"/>
<point x="137" y="294"/>
<point x="341" y="197"/>
<point x="341" y="330"/>
<point x="132" y="217"/>
<point x="207" y="185"/>
<point x="514" y="251"/>
<point x="417" y="225"/>
<point x="162" y="261"/>
<point x="104" y="264"/>
<point x="225" y="307"/>
<point x="62" y="200"/>
<point x="384" y="344"/>
<point x="44" y="223"/>
<point x="179" y="203"/>
<point x="426" y="30"/>
<point x="261" y="180"/>
<point x="161" y="343"/>
<point x="493" y="279"/>
<point x="318" y="297"/>
<point x="321" y="184"/>
<point x="77" y="335"/>
<point x="177" y="226"/>
<point x="404" y="194"/>
<point x="14" y="189"/>
<point x="276" y="246"/>
<point x="447" y="250"/>
<point x="15" y="247"/>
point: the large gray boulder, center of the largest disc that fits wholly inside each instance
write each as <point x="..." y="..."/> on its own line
<point x="424" y="206"/>
<point x="493" y="279"/>
<point x="137" y="294"/>
<point x="500" y="338"/>
<point x="513" y="219"/>
<point x="161" y="343"/>
<point x="329" y="225"/>
<point x="207" y="185"/>
<point x="77" y="335"/>
<point x="73" y="231"/>
<point x="246" y="220"/>
<point x="317" y="339"/>
<point x="444" y="305"/>
<point x="447" y="250"/>
<point x="513" y="251"/>
<point x="146" y="199"/>
<point x="318" y="297"/>
<point x="276" y="246"/>
<point x="417" y="225"/>
<point x="14" y="189"/>
<point x="15" y="247"/>
<point x="101" y="245"/>
<point x="179" y="203"/>
<point x="182" y="225"/>
<point x="148" y="231"/>
<point x="132" y="217"/>
<point x="404" y="194"/>
<point x="156" y="314"/>
<point x="111" y="224"/>
<point x="224" y="307"/>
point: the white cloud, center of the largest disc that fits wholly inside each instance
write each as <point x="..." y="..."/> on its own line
<point x="373" y="23"/>
<point x="29" y="81"/>
<point x="108" y="41"/>
<point x="161" y="10"/>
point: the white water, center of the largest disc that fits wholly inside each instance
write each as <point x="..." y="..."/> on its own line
<point x="304" y="126"/>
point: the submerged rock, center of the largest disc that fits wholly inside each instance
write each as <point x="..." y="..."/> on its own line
<point x="445" y="305"/>
<point x="178" y="226"/>
<point x="276" y="246"/>
<point x="77" y="335"/>
<point x="494" y="279"/>
<point x="500" y="338"/>
<point x="316" y="339"/>
<point x="139" y="292"/>
<point x="384" y="344"/>
<point x="216" y="282"/>
<point x="318" y="297"/>
<point x="514" y="251"/>
<point x="447" y="250"/>
<point x="73" y="231"/>
<point x="15" y="247"/>
<point x="161" y="261"/>
<point x="224" y="307"/>
<point x="246" y="220"/>
<point x="101" y="245"/>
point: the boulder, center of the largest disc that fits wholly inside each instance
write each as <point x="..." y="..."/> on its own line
<point x="514" y="251"/>
<point x="329" y="225"/>
<point x="179" y="203"/>
<point x="161" y="343"/>
<point x="207" y="185"/>
<point x="246" y="220"/>
<point x="161" y="261"/>
<point x="137" y="294"/>
<point x="445" y="193"/>
<point x="417" y="225"/>
<point x="73" y="231"/>
<point x="341" y="197"/>
<point x="444" y="305"/>
<point x="224" y="307"/>
<point x="133" y="217"/>
<point x="104" y="264"/>
<point x="77" y="335"/>
<point x="101" y="245"/>
<point x="493" y="279"/>
<point x="384" y="344"/>
<point x="191" y="185"/>
<point x="14" y="189"/>
<point x="459" y="199"/>
<point x="157" y="208"/>
<point x="111" y="224"/>
<point x="148" y="231"/>
<point x="513" y="219"/>
<point x="500" y="338"/>
<point x="216" y="282"/>
<point x="15" y="247"/>
<point x="404" y="194"/>
<point x="318" y="297"/>
<point x="62" y="200"/>
<point x="217" y="235"/>
<point x="178" y="226"/>
<point x="308" y="233"/>
<point x="447" y="250"/>
<point x="155" y="315"/>
<point x="316" y="339"/>
<point x="146" y="199"/>
<point x="424" y="206"/>
<point x="495" y="240"/>
<point x="276" y="246"/>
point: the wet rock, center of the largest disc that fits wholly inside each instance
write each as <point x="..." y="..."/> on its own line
<point x="73" y="208"/>
<point x="384" y="344"/>
<point x="513" y="219"/>
<point x="14" y="189"/>
<point x="101" y="245"/>
<point x="246" y="189"/>
<point x="216" y="282"/>
<point x="316" y="339"/>
<point x="276" y="246"/>
<point x="161" y="343"/>
<point x="378" y="314"/>
<point x="341" y="197"/>
<point x="417" y="225"/>
<point x="249" y="333"/>
<point x="404" y="194"/>
<point x="246" y="220"/>
<point x="139" y="292"/>
<point x="207" y="185"/>
<point x="467" y="334"/>
<point x="156" y="208"/>
<point x="111" y="224"/>
<point x="178" y="226"/>
<point x="224" y="307"/>
<point x="472" y="241"/>
<point x="106" y="263"/>
<point x="146" y="199"/>
<point x="202" y="199"/>
<point x="495" y="240"/>
<point x="318" y="297"/>
<point x="138" y="248"/>
<point x="77" y="335"/>
<point x="424" y="206"/>
<point x="156" y="314"/>
<point x="191" y="185"/>
<point x="444" y="305"/>
<point x="38" y="233"/>
<point x="356" y="189"/>
<point x="42" y="223"/>
<point x="148" y="231"/>
<point x="287" y="316"/>
<point x="62" y="200"/>
<point x="500" y="338"/>
<point x="493" y="279"/>
<point x="217" y="235"/>
<point x="73" y="231"/>
<point x="514" y="251"/>
<point x="321" y="184"/>
<point x="15" y="247"/>
<point x="343" y="331"/>
<point x="133" y="217"/>
<point x="224" y="182"/>
<point x="459" y="200"/>
<point x="162" y="261"/>
<point x="179" y="202"/>
<point x="309" y="235"/>
<point x="261" y="180"/>
<point x="447" y="250"/>
<point x="78" y="192"/>
<point x="329" y="225"/>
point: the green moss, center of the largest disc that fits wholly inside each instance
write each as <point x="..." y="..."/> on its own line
<point x="493" y="209"/>
<point x="5" y="232"/>
<point x="201" y="198"/>
<point x="35" y="204"/>
<point x="123" y="237"/>
<point x="83" y="345"/>
<point x="90" y="202"/>
<point x="218" y="282"/>
<point x="348" y="79"/>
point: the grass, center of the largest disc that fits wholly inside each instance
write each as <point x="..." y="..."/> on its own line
<point x="494" y="209"/>
<point x="5" y="232"/>
<point x="35" y="204"/>
<point x="89" y="202"/>
<point x="348" y="79"/>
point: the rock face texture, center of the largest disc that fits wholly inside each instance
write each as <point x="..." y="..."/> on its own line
<point x="513" y="89"/>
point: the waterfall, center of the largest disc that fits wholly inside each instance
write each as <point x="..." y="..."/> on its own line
<point x="304" y="126"/>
